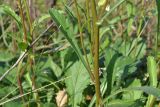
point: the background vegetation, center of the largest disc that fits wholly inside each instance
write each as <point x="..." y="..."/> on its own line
<point x="79" y="53"/>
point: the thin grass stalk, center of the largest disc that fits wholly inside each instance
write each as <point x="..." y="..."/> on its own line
<point x="96" y="52"/>
<point x="89" y="27"/>
<point x="88" y="16"/>
<point x="23" y="20"/>
<point x="158" y="25"/>
<point x="81" y="40"/>
<point x="31" y="59"/>
<point x="29" y="18"/>
<point x="20" y="84"/>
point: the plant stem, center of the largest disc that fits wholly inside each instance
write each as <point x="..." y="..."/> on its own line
<point x="158" y="25"/>
<point x="81" y="39"/>
<point x="23" y="20"/>
<point x="96" y="52"/>
<point x="29" y="18"/>
<point x="89" y="27"/>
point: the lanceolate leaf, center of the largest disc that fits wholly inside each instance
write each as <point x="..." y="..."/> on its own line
<point x="7" y="10"/>
<point x="64" y="26"/>
<point x="149" y="90"/>
<point x="77" y="82"/>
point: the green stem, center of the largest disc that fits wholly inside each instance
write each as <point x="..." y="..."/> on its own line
<point x="81" y="39"/>
<point x="23" y="20"/>
<point x="158" y="25"/>
<point x="28" y="17"/>
<point x="96" y="52"/>
<point x="89" y="27"/>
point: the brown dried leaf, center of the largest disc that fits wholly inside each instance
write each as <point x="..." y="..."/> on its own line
<point x="61" y="98"/>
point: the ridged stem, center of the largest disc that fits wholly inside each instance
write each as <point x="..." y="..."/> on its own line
<point x="95" y="29"/>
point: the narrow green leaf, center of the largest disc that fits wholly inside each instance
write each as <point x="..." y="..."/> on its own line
<point x="6" y="56"/>
<point x="121" y="103"/>
<point x="149" y="90"/>
<point x="64" y="26"/>
<point x="130" y="26"/>
<point x="7" y="10"/>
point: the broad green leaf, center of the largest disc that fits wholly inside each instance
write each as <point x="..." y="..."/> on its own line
<point x="135" y="95"/>
<point x="6" y="56"/>
<point x="78" y="81"/>
<point x="48" y="105"/>
<point x="14" y="104"/>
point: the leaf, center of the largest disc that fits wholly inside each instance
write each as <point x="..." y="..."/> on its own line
<point x="129" y="28"/>
<point x="152" y="70"/>
<point x="23" y="46"/>
<point x="61" y="98"/>
<point x="129" y="9"/>
<point x="135" y="95"/>
<point x="7" y="10"/>
<point x="64" y="25"/>
<point x="55" y="68"/>
<point x="149" y="90"/>
<point x="47" y="105"/>
<point x="111" y="10"/>
<point x="78" y="81"/>
<point x="122" y="103"/>
<point x="50" y="94"/>
<point x="6" y="56"/>
<point x="13" y="104"/>
<point x="70" y="14"/>
<point x="40" y="20"/>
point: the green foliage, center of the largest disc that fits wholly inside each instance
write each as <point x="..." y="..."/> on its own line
<point x="9" y="11"/>
<point x="78" y="81"/>
<point x="128" y="54"/>
<point x="65" y="26"/>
